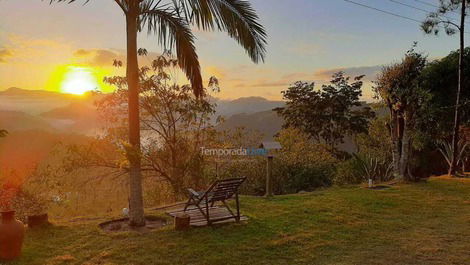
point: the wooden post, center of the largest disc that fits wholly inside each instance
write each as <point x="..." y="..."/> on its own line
<point x="269" y="174"/>
<point x="182" y="222"/>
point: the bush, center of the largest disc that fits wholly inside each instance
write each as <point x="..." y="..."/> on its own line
<point x="301" y="165"/>
<point x="292" y="179"/>
<point x="348" y="172"/>
<point x="362" y="168"/>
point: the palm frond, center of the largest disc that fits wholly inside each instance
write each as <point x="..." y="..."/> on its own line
<point x="236" y="17"/>
<point x="174" y="32"/>
<point x="123" y="4"/>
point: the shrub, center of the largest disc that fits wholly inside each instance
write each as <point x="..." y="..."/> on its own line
<point x="362" y="168"/>
<point x="295" y="178"/>
<point x="348" y="172"/>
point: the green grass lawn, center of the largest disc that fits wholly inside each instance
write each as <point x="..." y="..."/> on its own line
<point x="424" y="223"/>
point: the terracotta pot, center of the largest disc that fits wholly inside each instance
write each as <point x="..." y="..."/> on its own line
<point x="11" y="236"/>
<point x="37" y="220"/>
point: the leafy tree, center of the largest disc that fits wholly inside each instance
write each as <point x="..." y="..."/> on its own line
<point x="440" y="77"/>
<point x="171" y="22"/>
<point x="399" y="87"/>
<point x="174" y="122"/>
<point x="328" y="114"/>
<point x="376" y="142"/>
<point x="433" y="24"/>
<point x="435" y="118"/>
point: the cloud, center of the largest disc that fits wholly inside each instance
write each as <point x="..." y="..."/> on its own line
<point x="106" y="57"/>
<point x="370" y="72"/>
<point x="4" y="54"/>
<point x="99" y="57"/>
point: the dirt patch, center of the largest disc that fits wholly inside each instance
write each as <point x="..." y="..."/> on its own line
<point x="122" y="225"/>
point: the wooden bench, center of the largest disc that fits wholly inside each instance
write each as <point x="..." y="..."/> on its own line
<point x="219" y="191"/>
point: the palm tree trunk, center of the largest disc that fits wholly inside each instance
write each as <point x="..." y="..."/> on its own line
<point x="136" y="211"/>
<point x="455" y="136"/>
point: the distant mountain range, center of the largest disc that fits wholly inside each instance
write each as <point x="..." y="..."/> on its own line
<point x="22" y="110"/>
<point x="246" y="105"/>
<point x="268" y="123"/>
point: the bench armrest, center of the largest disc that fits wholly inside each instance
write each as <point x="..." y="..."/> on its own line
<point x="193" y="193"/>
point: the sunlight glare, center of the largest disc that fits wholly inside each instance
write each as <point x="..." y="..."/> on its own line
<point x="79" y="80"/>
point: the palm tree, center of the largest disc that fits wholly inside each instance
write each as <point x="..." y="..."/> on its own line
<point x="435" y="22"/>
<point x="170" y="22"/>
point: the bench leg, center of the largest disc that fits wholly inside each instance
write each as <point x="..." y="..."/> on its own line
<point x="238" y="207"/>
<point x="208" y="218"/>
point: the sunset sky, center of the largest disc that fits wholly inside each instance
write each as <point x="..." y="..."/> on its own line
<point x="308" y="40"/>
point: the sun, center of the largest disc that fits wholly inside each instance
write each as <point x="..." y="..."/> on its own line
<point x="78" y="80"/>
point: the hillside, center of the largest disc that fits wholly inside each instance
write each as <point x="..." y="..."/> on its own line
<point x="21" y="151"/>
<point x="266" y="122"/>
<point x="73" y="111"/>
<point x="20" y="121"/>
<point x="34" y="102"/>
<point x="247" y="105"/>
<point x="424" y="223"/>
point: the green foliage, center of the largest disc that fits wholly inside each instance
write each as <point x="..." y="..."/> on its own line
<point x="301" y="164"/>
<point x="328" y="114"/>
<point x="440" y="19"/>
<point x="361" y="168"/>
<point x="376" y="142"/>
<point x="440" y="79"/>
<point x="436" y="117"/>
<point x="348" y="172"/>
<point x="447" y="151"/>
<point x="399" y="86"/>
<point x="295" y="178"/>
<point x="173" y="121"/>
<point x="373" y="168"/>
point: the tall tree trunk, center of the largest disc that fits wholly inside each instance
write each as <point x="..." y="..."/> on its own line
<point x="394" y="139"/>
<point x="455" y="136"/>
<point x="405" y="151"/>
<point x="397" y="131"/>
<point x="136" y="205"/>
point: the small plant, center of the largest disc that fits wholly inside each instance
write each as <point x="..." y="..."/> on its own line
<point x="374" y="169"/>
<point x="447" y="150"/>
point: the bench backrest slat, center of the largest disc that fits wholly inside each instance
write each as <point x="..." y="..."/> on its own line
<point x="224" y="189"/>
